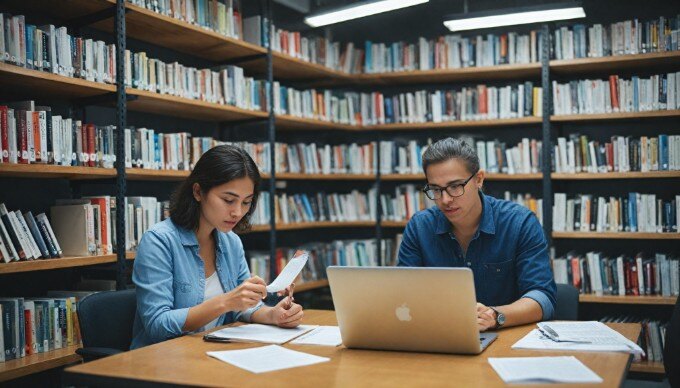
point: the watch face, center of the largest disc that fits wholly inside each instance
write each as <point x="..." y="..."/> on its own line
<point x="500" y="319"/>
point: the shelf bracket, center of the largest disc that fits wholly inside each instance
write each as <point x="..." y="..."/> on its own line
<point x="86" y="20"/>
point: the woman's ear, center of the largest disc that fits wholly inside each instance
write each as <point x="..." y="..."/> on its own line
<point x="196" y="191"/>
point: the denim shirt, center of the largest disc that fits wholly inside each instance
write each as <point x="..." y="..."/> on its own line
<point x="508" y="254"/>
<point x="170" y="278"/>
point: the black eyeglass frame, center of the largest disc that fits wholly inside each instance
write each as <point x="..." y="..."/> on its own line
<point x="448" y="189"/>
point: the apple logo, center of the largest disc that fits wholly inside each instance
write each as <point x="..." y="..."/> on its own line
<point x="403" y="313"/>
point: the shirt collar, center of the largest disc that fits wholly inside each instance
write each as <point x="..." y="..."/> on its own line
<point x="188" y="238"/>
<point x="487" y="223"/>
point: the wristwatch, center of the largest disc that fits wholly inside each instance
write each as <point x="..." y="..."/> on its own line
<point x="500" y="318"/>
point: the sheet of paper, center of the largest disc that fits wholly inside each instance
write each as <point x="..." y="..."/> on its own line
<point x="289" y="273"/>
<point x="536" y="341"/>
<point x="256" y="332"/>
<point x="267" y="358"/>
<point x="543" y="369"/>
<point x="322" y="335"/>
<point x="597" y="333"/>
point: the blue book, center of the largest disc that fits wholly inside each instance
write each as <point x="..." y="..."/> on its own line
<point x="157" y="150"/>
<point x="632" y="211"/>
<point x="307" y="206"/>
<point x="389" y="112"/>
<point x="29" y="35"/>
<point x="368" y="58"/>
<point x="663" y="153"/>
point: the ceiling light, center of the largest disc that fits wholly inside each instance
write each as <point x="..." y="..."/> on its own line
<point x="509" y="17"/>
<point x="359" y="10"/>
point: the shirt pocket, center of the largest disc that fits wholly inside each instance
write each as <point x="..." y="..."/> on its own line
<point x="183" y="287"/>
<point x="501" y="270"/>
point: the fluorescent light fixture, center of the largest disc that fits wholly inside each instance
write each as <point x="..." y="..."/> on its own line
<point x="359" y="10"/>
<point x="499" y="18"/>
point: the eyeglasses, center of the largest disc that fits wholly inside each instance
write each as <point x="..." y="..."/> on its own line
<point x="453" y="190"/>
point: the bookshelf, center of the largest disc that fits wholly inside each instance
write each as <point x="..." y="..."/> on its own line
<point x="617" y="175"/>
<point x="33" y="82"/>
<point x="647" y="367"/>
<point x="311" y="285"/>
<point x="59" y="263"/>
<point x="616" y="235"/>
<point x="530" y="71"/>
<point x="628" y="299"/>
<point x="55" y="172"/>
<point x="38" y="362"/>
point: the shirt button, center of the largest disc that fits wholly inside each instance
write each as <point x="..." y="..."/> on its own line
<point x="468" y="263"/>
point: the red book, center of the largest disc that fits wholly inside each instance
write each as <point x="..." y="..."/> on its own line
<point x="28" y="332"/>
<point x="4" y="134"/>
<point x="614" y="91"/>
<point x="609" y="152"/>
<point x="36" y="135"/>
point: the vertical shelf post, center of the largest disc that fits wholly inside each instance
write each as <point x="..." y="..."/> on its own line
<point x="121" y="118"/>
<point x="378" y="209"/>
<point x="271" y="131"/>
<point x="547" y="141"/>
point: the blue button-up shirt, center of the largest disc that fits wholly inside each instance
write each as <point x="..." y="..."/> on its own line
<point x="508" y="254"/>
<point x="170" y="278"/>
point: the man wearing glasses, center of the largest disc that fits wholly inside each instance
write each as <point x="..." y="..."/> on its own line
<point x="500" y="241"/>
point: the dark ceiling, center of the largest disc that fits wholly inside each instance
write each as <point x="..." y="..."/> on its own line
<point x="426" y="19"/>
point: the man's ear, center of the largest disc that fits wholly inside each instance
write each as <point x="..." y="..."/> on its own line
<point x="479" y="179"/>
<point x="196" y="191"/>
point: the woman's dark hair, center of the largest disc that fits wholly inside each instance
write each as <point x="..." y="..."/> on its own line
<point x="450" y="148"/>
<point x="219" y="165"/>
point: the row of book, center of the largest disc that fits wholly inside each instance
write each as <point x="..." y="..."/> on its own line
<point x="51" y="49"/>
<point x="658" y="92"/>
<point x="496" y="157"/>
<point x="26" y="237"/>
<point x="324" y="254"/>
<point x="301" y="208"/>
<point x="33" y="134"/>
<point x="221" y="16"/>
<point x="602" y="274"/>
<point x="652" y="337"/>
<point x="578" y="153"/>
<point x="37" y="325"/>
<point x="620" y="38"/>
<point x="635" y="212"/>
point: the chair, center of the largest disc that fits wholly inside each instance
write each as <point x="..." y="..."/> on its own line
<point x="671" y="353"/>
<point x="106" y="320"/>
<point x="567" y="303"/>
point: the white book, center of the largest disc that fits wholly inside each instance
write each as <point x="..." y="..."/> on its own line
<point x="527" y="370"/>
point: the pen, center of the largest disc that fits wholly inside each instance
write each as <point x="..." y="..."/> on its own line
<point x="552" y="334"/>
<point x="290" y="296"/>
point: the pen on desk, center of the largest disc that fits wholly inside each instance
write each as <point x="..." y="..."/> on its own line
<point x="552" y="334"/>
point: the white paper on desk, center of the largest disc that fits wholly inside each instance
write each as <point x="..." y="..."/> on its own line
<point x="601" y="340"/>
<point x="597" y="333"/>
<point x="256" y="332"/>
<point x="322" y="335"/>
<point x="543" y="369"/>
<point x="289" y="273"/>
<point x="267" y="358"/>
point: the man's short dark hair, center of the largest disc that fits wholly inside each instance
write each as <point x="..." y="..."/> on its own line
<point x="450" y="148"/>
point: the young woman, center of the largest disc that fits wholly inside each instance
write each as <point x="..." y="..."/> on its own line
<point x="190" y="270"/>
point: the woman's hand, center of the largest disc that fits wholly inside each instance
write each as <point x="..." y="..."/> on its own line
<point x="248" y="294"/>
<point x="286" y="314"/>
<point x="486" y="318"/>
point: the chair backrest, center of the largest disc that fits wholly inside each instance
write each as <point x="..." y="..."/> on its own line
<point x="106" y="319"/>
<point x="671" y="355"/>
<point x="567" y="303"/>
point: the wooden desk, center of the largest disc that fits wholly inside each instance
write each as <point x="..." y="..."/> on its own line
<point x="183" y="361"/>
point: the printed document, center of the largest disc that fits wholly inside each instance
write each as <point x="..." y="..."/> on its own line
<point x="289" y="273"/>
<point x="322" y="335"/>
<point x="256" y="332"/>
<point x="267" y="358"/>
<point x="543" y="369"/>
<point x="592" y="336"/>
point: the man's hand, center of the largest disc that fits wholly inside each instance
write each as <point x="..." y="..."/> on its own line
<point x="486" y="318"/>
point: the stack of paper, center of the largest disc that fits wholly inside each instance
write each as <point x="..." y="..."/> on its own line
<point x="256" y="332"/>
<point x="543" y="369"/>
<point x="592" y="336"/>
<point x="322" y="335"/>
<point x="266" y="358"/>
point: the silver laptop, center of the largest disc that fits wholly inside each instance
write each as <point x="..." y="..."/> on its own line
<point x="409" y="309"/>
